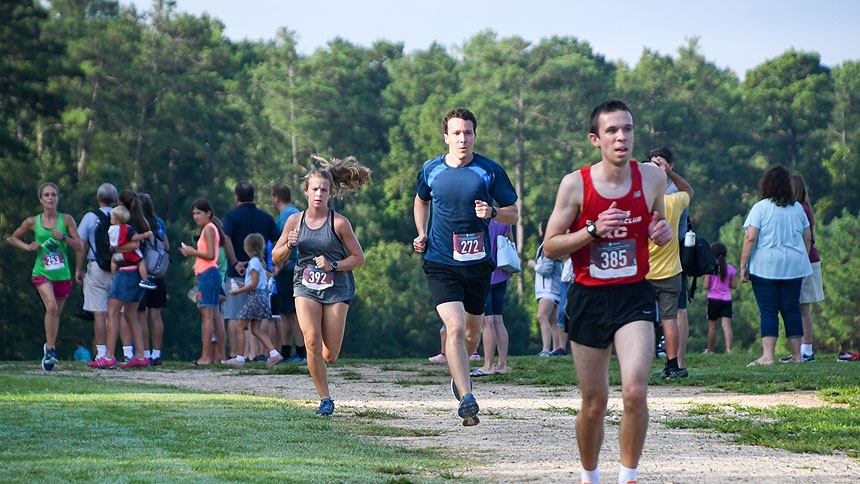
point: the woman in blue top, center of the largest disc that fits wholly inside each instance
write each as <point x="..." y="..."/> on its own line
<point x="328" y="251"/>
<point x="775" y="259"/>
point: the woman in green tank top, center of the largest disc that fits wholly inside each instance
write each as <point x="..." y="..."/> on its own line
<point x="53" y="234"/>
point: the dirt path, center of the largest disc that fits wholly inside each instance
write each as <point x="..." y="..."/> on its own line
<point x="527" y="433"/>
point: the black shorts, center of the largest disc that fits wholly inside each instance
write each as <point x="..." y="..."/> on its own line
<point x="154" y="298"/>
<point x="682" y="299"/>
<point x="594" y="314"/>
<point x="467" y="284"/>
<point x="719" y="309"/>
<point x="286" y="303"/>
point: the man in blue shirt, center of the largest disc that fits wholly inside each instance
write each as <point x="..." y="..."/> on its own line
<point x="460" y="186"/>
<point x="240" y="222"/>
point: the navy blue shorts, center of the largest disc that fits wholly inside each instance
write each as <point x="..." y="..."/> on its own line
<point x="496" y="299"/>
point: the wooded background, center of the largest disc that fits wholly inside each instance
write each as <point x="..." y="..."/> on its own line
<point x="162" y="102"/>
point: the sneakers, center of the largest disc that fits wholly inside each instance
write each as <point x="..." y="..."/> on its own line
<point x="558" y="352"/>
<point x="468" y="410"/>
<point x="261" y="358"/>
<point x="544" y="353"/>
<point x="661" y="375"/>
<point x="296" y="359"/>
<point x="135" y="363"/>
<point x="805" y="358"/>
<point x="155" y="361"/>
<point x="440" y="358"/>
<point x="235" y="362"/>
<point x="49" y="358"/>
<point x="102" y="362"/>
<point x="274" y="360"/>
<point x="148" y="283"/>
<point x="671" y="374"/>
<point x="676" y="373"/>
<point x="475" y="357"/>
<point x="848" y="356"/>
<point x="454" y="389"/>
<point x="326" y="407"/>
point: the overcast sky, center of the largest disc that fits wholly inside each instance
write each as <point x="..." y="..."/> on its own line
<point x="734" y="34"/>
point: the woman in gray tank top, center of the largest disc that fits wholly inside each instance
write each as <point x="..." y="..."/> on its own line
<point x="328" y="251"/>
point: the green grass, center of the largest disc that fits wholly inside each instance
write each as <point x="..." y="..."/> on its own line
<point x="67" y="428"/>
<point x="59" y="428"/>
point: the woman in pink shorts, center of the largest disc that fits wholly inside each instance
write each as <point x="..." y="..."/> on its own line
<point x="54" y="233"/>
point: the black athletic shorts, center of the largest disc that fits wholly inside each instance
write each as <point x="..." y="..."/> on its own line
<point x="467" y="284"/>
<point x="719" y="309"/>
<point x="286" y="303"/>
<point x="154" y="298"/>
<point x="594" y="314"/>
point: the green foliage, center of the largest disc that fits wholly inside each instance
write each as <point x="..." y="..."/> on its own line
<point x="160" y="101"/>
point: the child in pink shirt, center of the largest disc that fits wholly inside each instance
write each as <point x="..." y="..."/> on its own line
<point x="719" y="289"/>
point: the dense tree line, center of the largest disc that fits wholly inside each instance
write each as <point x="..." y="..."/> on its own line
<point x="163" y="102"/>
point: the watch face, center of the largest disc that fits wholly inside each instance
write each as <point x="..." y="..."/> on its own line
<point x="334" y="264"/>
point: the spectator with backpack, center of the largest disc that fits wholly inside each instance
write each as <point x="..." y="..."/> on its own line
<point x="95" y="275"/>
<point x="149" y="310"/>
<point x="665" y="269"/>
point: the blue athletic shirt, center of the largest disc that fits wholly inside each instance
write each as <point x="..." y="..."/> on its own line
<point x="453" y="191"/>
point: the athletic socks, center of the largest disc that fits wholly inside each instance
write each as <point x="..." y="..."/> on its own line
<point x="590" y="476"/>
<point x="285" y="351"/>
<point x="101" y="351"/>
<point x="128" y="351"/>
<point x="302" y="352"/>
<point x="156" y="354"/>
<point x="626" y="474"/>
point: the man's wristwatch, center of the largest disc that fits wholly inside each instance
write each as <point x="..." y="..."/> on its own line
<point x="493" y="213"/>
<point x="591" y="228"/>
<point x="334" y="265"/>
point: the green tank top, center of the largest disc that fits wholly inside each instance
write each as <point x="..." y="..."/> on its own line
<point x="51" y="259"/>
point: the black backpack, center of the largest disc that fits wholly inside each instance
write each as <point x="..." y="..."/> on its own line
<point x="697" y="260"/>
<point x="101" y="242"/>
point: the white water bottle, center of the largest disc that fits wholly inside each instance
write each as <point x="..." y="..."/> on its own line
<point x="690" y="239"/>
<point x="234" y="284"/>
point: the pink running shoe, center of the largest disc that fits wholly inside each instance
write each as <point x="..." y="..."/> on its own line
<point x="102" y="362"/>
<point x="475" y="357"/>
<point x="234" y="362"/>
<point x="274" y="360"/>
<point x="440" y="358"/>
<point x="135" y="363"/>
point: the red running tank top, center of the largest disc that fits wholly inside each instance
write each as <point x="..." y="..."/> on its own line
<point x="619" y="257"/>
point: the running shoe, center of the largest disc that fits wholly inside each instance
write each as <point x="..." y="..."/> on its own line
<point x="326" y="407"/>
<point x="803" y="358"/>
<point x="274" y="360"/>
<point x="468" y="410"/>
<point x="102" y="362"/>
<point x="155" y="361"/>
<point x="440" y="358"/>
<point x="848" y="356"/>
<point x="454" y="389"/>
<point x="135" y="363"/>
<point x="475" y="357"/>
<point x="49" y="358"/>
<point x="558" y="352"/>
<point x="148" y="283"/>
<point x="663" y="374"/>
<point x="674" y="373"/>
<point x="544" y="353"/>
<point x="235" y="362"/>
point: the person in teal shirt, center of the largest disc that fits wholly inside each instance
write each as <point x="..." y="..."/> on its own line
<point x="82" y="354"/>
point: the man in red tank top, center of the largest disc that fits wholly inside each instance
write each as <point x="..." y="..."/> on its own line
<point x="604" y="215"/>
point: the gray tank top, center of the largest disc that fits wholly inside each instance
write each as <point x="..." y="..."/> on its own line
<point x="309" y="282"/>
